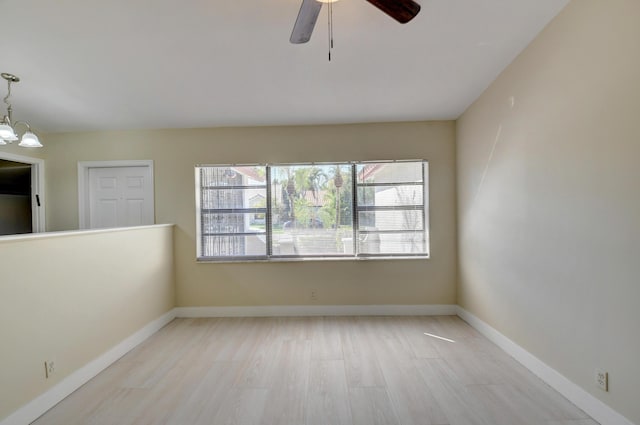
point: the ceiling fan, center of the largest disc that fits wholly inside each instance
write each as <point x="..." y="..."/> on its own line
<point x="401" y="10"/>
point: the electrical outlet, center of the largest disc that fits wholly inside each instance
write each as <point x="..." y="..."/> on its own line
<point x="602" y="380"/>
<point x="314" y="295"/>
<point x="49" y="368"/>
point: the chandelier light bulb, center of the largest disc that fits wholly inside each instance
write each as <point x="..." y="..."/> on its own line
<point x="30" y="140"/>
<point x="6" y="131"/>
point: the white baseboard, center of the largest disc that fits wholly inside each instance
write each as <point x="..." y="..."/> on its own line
<point x="318" y="310"/>
<point x="38" y="406"/>
<point x="587" y="402"/>
<point x="578" y="396"/>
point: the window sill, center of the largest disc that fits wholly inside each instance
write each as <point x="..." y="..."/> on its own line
<point x="314" y="259"/>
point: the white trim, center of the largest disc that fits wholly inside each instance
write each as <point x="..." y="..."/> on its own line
<point x="37" y="188"/>
<point x="318" y="310"/>
<point x="66" y="233"/>
<point x="577" y="395"/>
<point x="83" y="183"/>
<point x="38" y="406"/>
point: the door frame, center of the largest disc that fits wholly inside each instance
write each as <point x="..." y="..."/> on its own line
<point x="38" y="213"/>
<point x="83" y="184"/>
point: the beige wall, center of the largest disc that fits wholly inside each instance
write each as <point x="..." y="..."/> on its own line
<point x="176" y="152"/>
<point x="549" y="202"/>
<point x="71" y="298"/>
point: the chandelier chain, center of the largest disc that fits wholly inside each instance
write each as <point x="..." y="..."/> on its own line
<point x="8" y="133"/>
<point x="6" y="98"/>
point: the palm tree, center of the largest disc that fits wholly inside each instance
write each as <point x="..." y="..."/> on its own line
<point x="337" y="182"/>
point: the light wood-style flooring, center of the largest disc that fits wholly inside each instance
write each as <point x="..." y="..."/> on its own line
<point x="317" y="371"/>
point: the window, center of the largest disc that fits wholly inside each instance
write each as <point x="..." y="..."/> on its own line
<point x="312" y="211"/>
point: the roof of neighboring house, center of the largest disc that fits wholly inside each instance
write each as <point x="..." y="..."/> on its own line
<point x="368" y="171"/>
<point x="317" y="200"/>
<point x="250" y="172"/>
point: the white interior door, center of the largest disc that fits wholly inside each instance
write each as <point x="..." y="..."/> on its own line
<point x="120" y="196"/>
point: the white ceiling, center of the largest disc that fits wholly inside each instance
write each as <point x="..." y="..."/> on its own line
<point x="124" y="64"/>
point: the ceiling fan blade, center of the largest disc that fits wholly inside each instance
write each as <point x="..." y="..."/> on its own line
<point x="307" y="18"/>
<point x="401" y="10"/>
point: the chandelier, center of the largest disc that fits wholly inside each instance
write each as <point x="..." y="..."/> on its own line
<point x="8" y="128"/>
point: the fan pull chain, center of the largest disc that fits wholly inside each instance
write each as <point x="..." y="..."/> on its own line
<point x="330" y="27"/>
<point x="331" y="13"/>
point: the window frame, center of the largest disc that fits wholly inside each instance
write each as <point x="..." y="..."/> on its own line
<point x="414" y="207"/>
<point x="355" y="210"/>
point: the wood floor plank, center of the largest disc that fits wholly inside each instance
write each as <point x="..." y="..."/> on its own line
<point x="413" y="401"/>
<point x="452" y="396"/>
<point x="507" y="404"/>
<point x="261" y="369"/>
<point x="114" y="404"/>
<point x="327" y="397"/>
<point x="392" y="350"/>
<point x="290" y="328"/>
<point x="326" y="341"/>
<point x="241" y="407"/>
<point x="286" y="400"/>
<point x="372" y="406"/>
<point x="121" y="406"/>
<point x="361" y="365"/>
<point x="154" y="364"/>
<point x="479" y="369"/>
<point x="411" y="397"/>
<point x="157" y="404"/>
<point x="453" y="327"/>
<point x="203" y="403"/>
<point x="241" y="337"/>
<point x="414" y="330"/>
